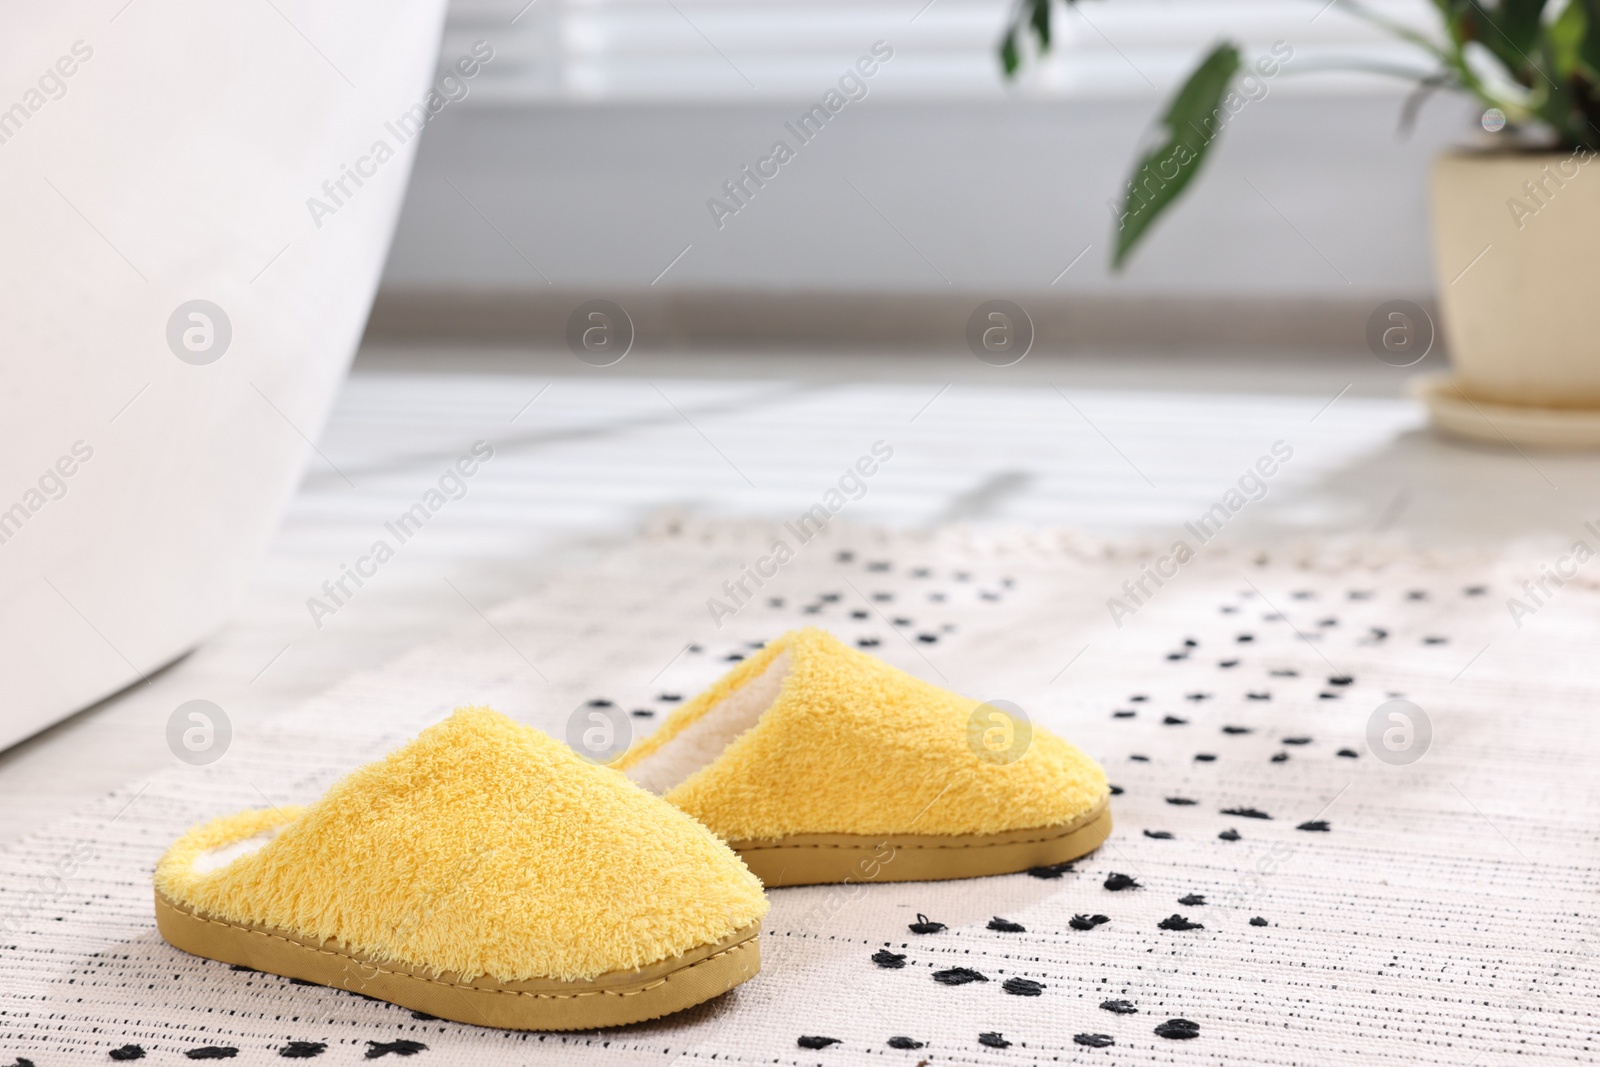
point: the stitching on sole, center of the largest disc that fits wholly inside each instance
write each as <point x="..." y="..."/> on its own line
<point x="868" y="841"/>
<point x="745" y="944"/>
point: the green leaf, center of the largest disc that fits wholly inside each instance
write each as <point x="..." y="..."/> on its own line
<point x="1192" y="121"/>
<point x="1028" y="17"/>
<point x="1566" y="35"/>
<point x="1518" y="20"/>
<point x="1589" y="47"/>
<point x="1040" y="20"/>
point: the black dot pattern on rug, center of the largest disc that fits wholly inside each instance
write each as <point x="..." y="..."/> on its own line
<point x="402" y="1047"/>
<point x="212" y="1052"/>
<point x="1054" y="870"/>
<point x="958" y="976"/>
<point x="1246" y="813"/>
<point x="128" y="1052"/>
<point x="1178" y="1029"/>
<point x="1252" y="733"/>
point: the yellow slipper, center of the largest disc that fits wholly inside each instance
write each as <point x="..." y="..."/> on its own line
<point x="482" y="873"/>
<point x="819" y="763"/>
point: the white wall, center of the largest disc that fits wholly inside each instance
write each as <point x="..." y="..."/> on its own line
<point x="998" y="195"/>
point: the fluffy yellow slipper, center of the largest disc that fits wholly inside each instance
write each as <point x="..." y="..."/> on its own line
<point x="819" y="763"/>
<point x="482" y="873"/>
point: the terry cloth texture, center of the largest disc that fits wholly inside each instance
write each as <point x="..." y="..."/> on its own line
<point x="1447" y="914"/>
<point x="852" y="745"/>
<point x="482" y="847"/>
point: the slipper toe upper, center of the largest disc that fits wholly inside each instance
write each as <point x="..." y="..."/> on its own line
<point x="482" y="847"/>
<point x="812" y="736"/>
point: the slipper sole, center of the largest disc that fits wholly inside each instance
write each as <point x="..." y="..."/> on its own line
<point x="612" y="999"/>
<point x="817" y="859"/>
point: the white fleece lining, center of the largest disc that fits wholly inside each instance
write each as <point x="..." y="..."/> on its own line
<point x="700" y="743"/>
<point x="214" y="859"/>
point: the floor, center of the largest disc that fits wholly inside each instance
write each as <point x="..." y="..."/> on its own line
<point x="1126" y="445"/>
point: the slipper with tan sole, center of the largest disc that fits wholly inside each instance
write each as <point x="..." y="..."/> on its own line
<point x="482" y="873"/>
<point x="819" y="763"/>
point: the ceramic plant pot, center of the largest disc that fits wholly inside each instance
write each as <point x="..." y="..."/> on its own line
<point x="1515" y="251"/>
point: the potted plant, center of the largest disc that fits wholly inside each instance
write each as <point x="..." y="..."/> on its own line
<point x="1514" y="222"/>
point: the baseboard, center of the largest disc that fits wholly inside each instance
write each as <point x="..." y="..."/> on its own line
<point x="700" y="319"/>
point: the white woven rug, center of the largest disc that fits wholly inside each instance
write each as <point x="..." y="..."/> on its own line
<point x="1447" y="913"/>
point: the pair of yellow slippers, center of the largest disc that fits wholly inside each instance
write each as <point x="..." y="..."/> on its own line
<point x="488" y="874"/>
